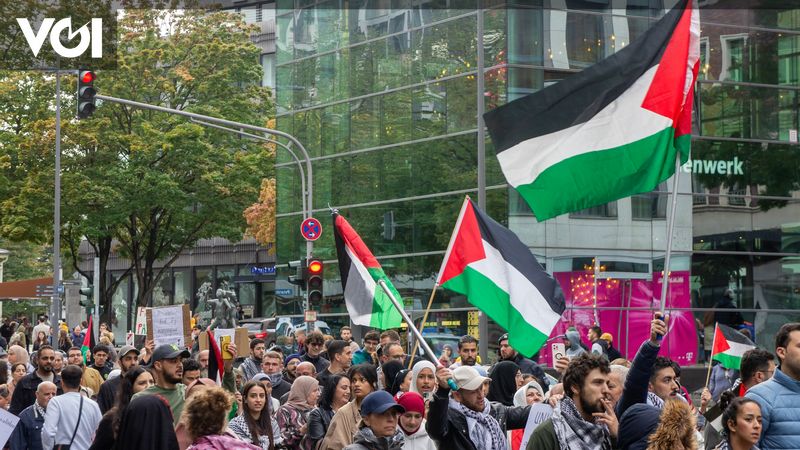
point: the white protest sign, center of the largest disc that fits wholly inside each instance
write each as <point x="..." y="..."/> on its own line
<point x="538" y="414"/>
<point x="8" y="422"/>
<point x="167" y="325"/>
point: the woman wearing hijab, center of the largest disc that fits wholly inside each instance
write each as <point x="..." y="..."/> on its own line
<point x="390" y="371"/>
<point x="412" y="422"/>
<point x="402" y="382"/>
<point x="423" y="378"/>
<point x="504" y="383"/>
<point x="146" y="424"/>
<point x="293" y="416"/>
<point x="529" y="394"/>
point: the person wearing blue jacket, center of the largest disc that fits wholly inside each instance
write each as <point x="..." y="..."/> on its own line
<point x="779" y="397"/>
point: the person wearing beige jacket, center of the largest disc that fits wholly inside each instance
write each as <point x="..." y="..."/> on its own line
<point x="344" y="425"/>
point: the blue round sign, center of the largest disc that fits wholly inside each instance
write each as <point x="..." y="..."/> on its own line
<point x="311" y="229"/>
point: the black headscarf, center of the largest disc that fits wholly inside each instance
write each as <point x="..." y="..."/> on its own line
<point x="398" y="380"/>
<point x="147" y="424"/>
<point x="504" y="383"/>
<point x="390" y="371"/>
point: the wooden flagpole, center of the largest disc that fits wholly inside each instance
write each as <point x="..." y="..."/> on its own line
<point x="713" y="341"/>
<point x="422" y="325"/>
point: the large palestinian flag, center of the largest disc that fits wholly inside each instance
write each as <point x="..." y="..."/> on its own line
<point x="366" y="302"/>
<point x="609" y="131"/>
<point x="729" y="346"/>
<point x="498" y="273"/>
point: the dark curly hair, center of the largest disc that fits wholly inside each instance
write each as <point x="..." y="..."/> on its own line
<point x="579" y="368"/>
<point x="206" y="411"/>
<point x="731" y="408"/>
<point x="662" y="362"/>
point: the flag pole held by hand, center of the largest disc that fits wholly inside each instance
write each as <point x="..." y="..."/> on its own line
<point x="425" y="347"/>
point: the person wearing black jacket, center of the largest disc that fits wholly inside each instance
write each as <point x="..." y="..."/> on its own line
<point x="638" y="380"/>
<point x="486" y="430"/>
<point x="508" y="353"/>
<point x="128" y="359"/>
<point x="25" y="392"/>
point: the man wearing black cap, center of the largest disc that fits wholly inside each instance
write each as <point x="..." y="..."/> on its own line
<point x="509" y="353"/>
<point x="378" y="426"/>
<point x="167" y="365"/>
<point x="128" y="359"/>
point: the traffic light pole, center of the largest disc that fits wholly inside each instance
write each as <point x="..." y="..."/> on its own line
<point x="55" y="311"/>
<point x="233" y="126"/>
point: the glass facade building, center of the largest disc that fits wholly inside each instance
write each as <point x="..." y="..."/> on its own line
<point x="386" y="96"/>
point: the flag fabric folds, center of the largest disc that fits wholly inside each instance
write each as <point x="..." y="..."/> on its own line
<point x="608" y="132"/>
<point x="88" y="344"/>
<point x="729" y="346"/>
<point x="366" y="301"/>
<point x="497" y="273"/>
<point x="215" y="363"/>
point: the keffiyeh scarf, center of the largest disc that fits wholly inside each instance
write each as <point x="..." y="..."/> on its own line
<point x="574" y="433"/>
<point x="484" y="431"/>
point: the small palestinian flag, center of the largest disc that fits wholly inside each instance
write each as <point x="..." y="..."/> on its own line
<point x="366" y="302"/>
<point x="88" y="344"/>
<point x="610" y="131"/>
<point x="729" y="346"/>
<point x="488" y="264"/>
<point x="215" y="363"/>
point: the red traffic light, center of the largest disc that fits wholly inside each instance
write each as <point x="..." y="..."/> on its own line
<point x="315" y="267"/>
<point x="87" y="76"/>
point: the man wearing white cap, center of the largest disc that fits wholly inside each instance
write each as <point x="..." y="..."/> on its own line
<point x="467" y="420"/>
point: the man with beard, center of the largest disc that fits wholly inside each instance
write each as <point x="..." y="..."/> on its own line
<point x="101" y="363"/>
<point x="468" y="420"/>
<point x="272" y="366"/>
<point x="467" y="352"/>
<point x="25" y="392"/>
<point x="202" y="359"/>
<point x="252" y="365"/>
<point x="28" y="433"/>
<point x="128" y="359"/>
<point x="508" y="353"/>
<point x="167" y="368"/>
<point x="584" y="418"/>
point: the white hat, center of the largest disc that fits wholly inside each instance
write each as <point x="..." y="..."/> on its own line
<point x="467" y="378"/>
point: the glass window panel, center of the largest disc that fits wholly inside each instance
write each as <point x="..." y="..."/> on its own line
<point x="396" y="117"/>
<point x="120" y="301"/>
<point x="183" y="286"/>
<point x="652" y="205"/>
<point x="429" y="110"/>
<point x="771" y="169"/>
<point x="365" y="123"/>
<point x="748" y="111"/>
<point x="608" y="210"/>
<point x="268" y="70"/>
<point x="461" y="104"/>
<point x="224" y="275"/>
<point x="525" y="36"/>
<point x="444" y="50"/>
<point x="335" y="129"/>
<point x="204" y="284"/>
<point x="163" y="289"/>
<point x="284" y="36"/>
<point x="285" y="87"/>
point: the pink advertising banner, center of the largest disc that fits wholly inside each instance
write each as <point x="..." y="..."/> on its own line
<point x="628" y="328"/>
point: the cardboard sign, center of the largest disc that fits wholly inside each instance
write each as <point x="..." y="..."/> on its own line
<point x="8" y="422"/>
<point x="238" y="336"/>
<point x="169" y="325"/>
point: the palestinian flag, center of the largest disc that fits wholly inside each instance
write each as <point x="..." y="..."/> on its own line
<point x="88" y="344"/>
<point x="367" y="303"/>
<point x="215" y="363"/>
<point x="608" y="132"/>
<point x="488" y="264"/>
<point x="729" y="346"/>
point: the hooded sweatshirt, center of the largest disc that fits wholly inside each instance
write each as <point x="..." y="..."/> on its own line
<point x="575" y="347"/>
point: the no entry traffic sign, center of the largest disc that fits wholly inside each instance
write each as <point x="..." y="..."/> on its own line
<point x="311" y="229"/>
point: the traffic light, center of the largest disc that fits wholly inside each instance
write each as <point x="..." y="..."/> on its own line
<point x="314" y="279"/>
<point x="88" y="293"/>
<point x="299" y="278"/>
<point x="86" y="93"/>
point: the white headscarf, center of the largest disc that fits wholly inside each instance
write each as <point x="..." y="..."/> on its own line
<point x="424" y="364"/>
<point x="521" y="394"/>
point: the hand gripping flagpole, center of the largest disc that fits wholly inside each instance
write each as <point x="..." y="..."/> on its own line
<point x="414" y="330"/>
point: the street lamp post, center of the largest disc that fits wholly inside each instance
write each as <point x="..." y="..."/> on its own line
<point x="3" y="258"/>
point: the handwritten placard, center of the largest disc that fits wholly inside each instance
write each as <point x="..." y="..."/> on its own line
<point x="169" y="325"/>
<point x="8" y="422"/>
<point x="141" y="321"/>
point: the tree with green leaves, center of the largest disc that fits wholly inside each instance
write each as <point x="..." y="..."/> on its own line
<point x="142" y="184"/>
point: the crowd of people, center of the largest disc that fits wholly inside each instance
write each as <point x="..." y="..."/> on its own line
<point x="333" y="394"/>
